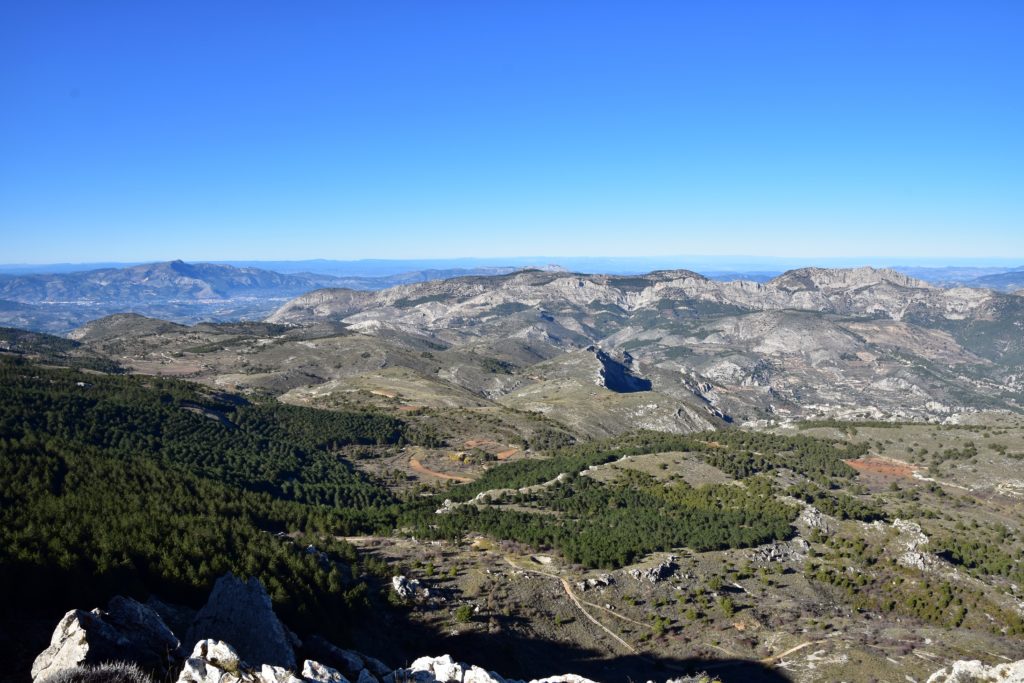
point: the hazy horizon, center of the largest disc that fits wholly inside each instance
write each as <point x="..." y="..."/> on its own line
<point x="592" y="264"/>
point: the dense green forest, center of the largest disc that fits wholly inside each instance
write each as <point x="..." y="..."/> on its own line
<point x="612" y="525"/>
<point x="112" y="481"/>
<point x="138" y="484"/>
<point x="738" y="453"/>
<point x="48" y="348"/>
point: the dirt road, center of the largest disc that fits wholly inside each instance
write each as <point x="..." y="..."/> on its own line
<point x="418" y="467"/>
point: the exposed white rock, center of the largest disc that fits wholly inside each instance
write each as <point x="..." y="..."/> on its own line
<point x="781" y="551"/>
<point x="406" y="588"/>
<point x="815" y="519"/>
<point x="658" y="573"/>
<point x="912" y="538"/>
<point x="973" y="671"/>
<point x="276" y="674"/>
<point x="444" y="669"/>
<point x="602" y="581"/>
<point x="128" y="631"/>
<point x="213" y="661"/>
<point x="69" y="645"/>
<point x="315" y="672"/>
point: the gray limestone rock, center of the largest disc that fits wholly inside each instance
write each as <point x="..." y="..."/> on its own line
<point x="240" y="612"/>
<point x="128" y="631"/>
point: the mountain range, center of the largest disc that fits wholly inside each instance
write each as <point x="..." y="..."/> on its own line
<point x="175" y="290"/>
<point x="600" y="354"/>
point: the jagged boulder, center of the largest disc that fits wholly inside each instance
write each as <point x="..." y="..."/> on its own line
<point x="406" y="588"/>
<point x="212" y="661"/>
<point x="127" y="631"/>
<point x="239" y="612"/>
<point x="655" y="574"/>
<point x="444" y="669"/>
<point x="602" y="581"/>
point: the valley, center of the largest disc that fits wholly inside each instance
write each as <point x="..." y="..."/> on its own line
<point x="815" y="478"/>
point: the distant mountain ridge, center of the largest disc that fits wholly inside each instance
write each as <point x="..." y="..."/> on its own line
<point x="175" y="290"/>
<point x="833" y="342"/>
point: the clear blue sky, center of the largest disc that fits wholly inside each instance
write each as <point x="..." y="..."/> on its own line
<point x="216" y="130"/>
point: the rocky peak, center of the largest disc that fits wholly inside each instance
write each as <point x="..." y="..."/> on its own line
<point x="829" y="280"/>
<point x="240" y="612"/>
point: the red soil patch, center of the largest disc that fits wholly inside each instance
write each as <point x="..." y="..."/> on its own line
<point x="882" y="466"/>
<point x="505" y="455"/>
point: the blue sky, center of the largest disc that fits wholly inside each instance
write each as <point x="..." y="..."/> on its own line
<point x="255" y="130"/>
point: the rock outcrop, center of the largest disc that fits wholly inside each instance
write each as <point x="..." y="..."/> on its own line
<point x="404" y="587"/>
<point x="129" y="641"/>
<point x="973" y="671"/>
<point x="781" y="551"/>
<point x="911" y="540"/>
<point x="616" y="375"/>
<point x="240" y="612"/>
<point x="127" y="631"/>
<point x="658" y="573"/>
<point x="602" y="581"/>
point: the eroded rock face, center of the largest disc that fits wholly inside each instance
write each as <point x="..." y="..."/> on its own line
<point x="618" y="376"/>
<point x="240" y="612"/>
<point x="128" y="631"/>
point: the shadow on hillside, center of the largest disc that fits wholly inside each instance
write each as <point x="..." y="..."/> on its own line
<point x="514" y="654"/>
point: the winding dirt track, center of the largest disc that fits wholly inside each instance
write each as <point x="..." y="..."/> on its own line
<point x="418" y="467"/>
<point x="767" y="661"/>
<point x="579" y="605"/>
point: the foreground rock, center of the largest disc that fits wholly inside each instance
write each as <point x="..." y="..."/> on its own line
<point x="357" y="666"/>
<point x="129" y="641"/>
<point x="240" y="612"/>
<point x="973" y="671"/>
<point x="127" y="631"/>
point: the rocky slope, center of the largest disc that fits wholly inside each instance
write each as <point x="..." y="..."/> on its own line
<point x="129" y="642"/>
<point x="809" y="342"/>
